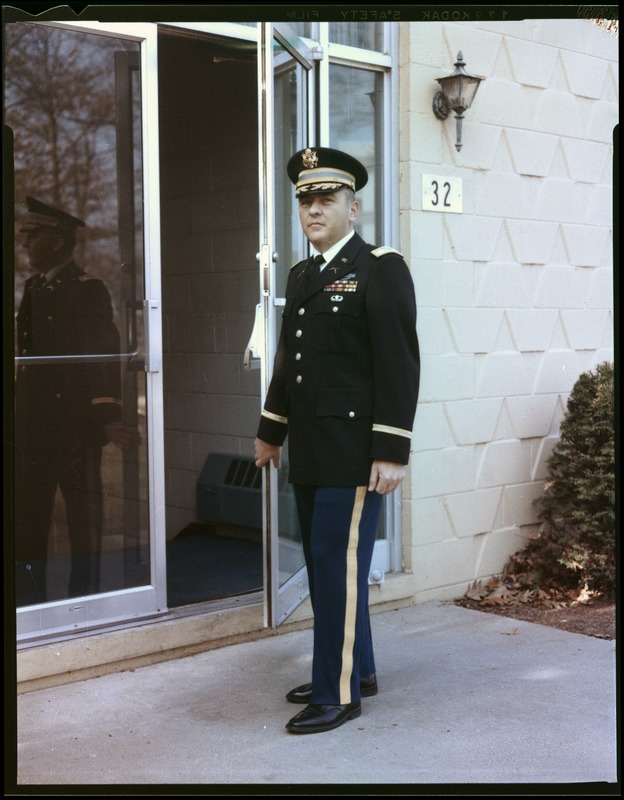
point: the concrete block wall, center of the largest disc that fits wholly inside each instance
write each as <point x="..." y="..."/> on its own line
<point x="515" y="294"/>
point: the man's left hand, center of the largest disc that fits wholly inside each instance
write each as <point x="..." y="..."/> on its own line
<point x="385" y="477"/>
<point x="122" y="436"/>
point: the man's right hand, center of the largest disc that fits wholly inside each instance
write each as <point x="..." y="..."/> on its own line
<point x="266" y="452"/>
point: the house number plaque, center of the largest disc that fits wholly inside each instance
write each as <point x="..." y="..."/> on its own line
<point x="442" y="193"/>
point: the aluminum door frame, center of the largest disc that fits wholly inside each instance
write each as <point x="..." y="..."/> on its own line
<point x="48" y="620"/>
<point x="280" y="600"/>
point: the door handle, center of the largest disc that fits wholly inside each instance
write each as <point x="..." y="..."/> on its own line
<point x="255" y="346"/>
<point x="153" y="336"/>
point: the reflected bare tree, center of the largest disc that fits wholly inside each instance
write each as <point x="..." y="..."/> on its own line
<point x="60" y="102"/>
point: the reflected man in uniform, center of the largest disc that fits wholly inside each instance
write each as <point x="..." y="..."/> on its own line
<point x="67" y="405"/>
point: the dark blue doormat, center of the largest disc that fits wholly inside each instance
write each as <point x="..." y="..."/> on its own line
<point x="208" y="563"/>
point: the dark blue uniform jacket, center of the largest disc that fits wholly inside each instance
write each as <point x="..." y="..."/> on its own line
<point x="346" y="374"/>
<point x="60" y="404"/>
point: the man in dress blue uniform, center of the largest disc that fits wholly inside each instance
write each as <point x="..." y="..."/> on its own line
<point x="344" y="389"/>
<point x="65" y="411"/>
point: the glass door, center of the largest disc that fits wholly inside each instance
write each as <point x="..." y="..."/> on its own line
<point x="88" y="537"/>
<point x="286" y="97"/>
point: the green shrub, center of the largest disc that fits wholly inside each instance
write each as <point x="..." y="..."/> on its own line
<point x="576" y="545"/>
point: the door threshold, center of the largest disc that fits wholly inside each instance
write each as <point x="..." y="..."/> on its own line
<point x="171" y="614"/>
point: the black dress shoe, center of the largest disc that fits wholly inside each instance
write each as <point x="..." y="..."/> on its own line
<point x="319" y="718"/>
<point x="303" y="694"/>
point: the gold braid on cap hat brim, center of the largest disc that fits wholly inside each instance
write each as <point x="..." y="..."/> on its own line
<point x="323" y="187"/>
<point x="324" y="175"/>
<point x="40" y="221"/>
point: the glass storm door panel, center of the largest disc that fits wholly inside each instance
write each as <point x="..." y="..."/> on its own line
<point x="87" y="346"/>
<point x="285" y="97"/>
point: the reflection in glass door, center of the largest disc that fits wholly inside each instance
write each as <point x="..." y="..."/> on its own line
<point x="73" y="100"/>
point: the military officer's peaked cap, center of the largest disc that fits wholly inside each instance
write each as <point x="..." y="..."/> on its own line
<point x="41" y="215"/>
<point x="322" y="169"/>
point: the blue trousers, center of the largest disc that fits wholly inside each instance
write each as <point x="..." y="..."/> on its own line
<point x="338" y="529"/>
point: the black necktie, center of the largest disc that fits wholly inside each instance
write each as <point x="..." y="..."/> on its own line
<point x="314" y="270"/>
<point x="37" y="282"/>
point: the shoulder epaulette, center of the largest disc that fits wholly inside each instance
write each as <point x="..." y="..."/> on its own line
<point x="384" y="251"/>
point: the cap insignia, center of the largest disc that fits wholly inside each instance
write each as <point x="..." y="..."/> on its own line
<point x="310" y="159"/>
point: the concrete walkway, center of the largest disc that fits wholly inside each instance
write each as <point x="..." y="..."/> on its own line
<point x="466" y="698"/>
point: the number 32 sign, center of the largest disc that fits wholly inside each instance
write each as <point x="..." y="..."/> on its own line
<point x="442" y="193"/>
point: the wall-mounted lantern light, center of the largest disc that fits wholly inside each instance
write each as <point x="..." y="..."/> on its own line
<point x="458" y="91"/>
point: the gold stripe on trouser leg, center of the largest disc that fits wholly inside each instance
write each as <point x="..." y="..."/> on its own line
<point x="351" y="600"/>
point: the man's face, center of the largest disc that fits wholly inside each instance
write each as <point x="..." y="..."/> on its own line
<point x="327" y="218"/>
<point x="42" y="245"/>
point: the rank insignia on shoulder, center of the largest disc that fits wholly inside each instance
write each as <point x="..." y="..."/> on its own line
<point x="384" y="251"/>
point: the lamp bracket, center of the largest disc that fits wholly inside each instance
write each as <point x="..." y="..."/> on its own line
<point x="441" y="107"/>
